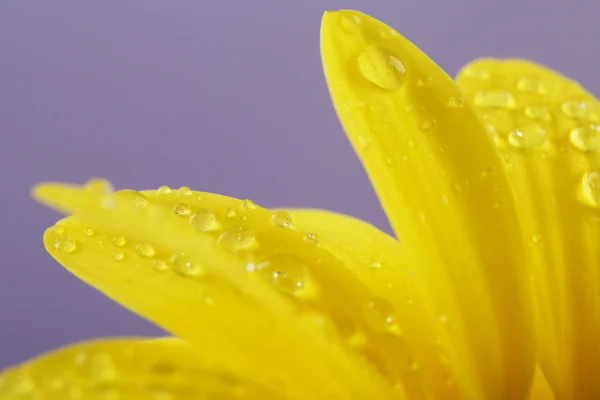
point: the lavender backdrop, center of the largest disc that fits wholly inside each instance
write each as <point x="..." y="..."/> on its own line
<point x="220" y="95"/>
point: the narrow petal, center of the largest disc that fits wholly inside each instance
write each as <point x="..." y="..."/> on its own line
<point x="546" y="128"/>
<point x="240" y="283"/>
<point x="131" y="368"/>
<point x="442" y="185"/>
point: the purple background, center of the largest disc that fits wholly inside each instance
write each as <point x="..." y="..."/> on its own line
<point x="222" y="96"/>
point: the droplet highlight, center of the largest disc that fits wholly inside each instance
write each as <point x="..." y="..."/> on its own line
<point x="382" y="68"/>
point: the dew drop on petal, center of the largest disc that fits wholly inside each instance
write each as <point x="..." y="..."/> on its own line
<point x="350" y="22"/>
<point x="537" y="112"/>
<point x="145" y="250"/>
<point x="286" y="273"/>
<point x="66" y="245"/>
<point x="181" y="209"/>
<point x="203" y="220"/>
<point x="381" y="315"/>
<point x="160" y="265"/>
<point x="499" y="98"/>
<point x="575" y="109"/>
<point x="248" y="204"/>
<point x="88" y="232"/>
<point x="281" y="219"/>
<point x="118" y="255"/>
<point x="230" y="213"/>
<point x="455" y="102"/>
<point x="586" y="138"/>
<point x="590" y="188"/>
<point x="184" y="191"/>
<point x="528" y="136"/>
<point x="184" y="266"/>
<point x="119" y="241"/>
<point x="382" y="68"/>
<point x="133" y="197"/>
<point x="99" y="186"/>
<point x="164" y="190"/>
<point x="311" y="238"/>
<point x="237" y="239"/>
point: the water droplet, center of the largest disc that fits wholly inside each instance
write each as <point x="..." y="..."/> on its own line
<point x="145" y="250"/>
<point x="66" y="245"/>
<point x="160" y="265"/>
<point x="536" y="238"/>
<point x="237" y="239"/>
<point x="96" y="366"/>
<point x="590" y="187"/>
<point x="203" y="220"/>
<point x="230" y="213"/>
<point x="424" y="81"/>
<point x="501" y="122"/>
<point x="376" y="264"/>
<point x="537" y="113"/>
<point x="248" y="204"/>
<point x="311" y="238"/>
<point x="413" y="144"/>
<point x="455" y="102"/>
<point x="382" y="315"/>
<point x="287" y="273"/>
<point x="88" y="232"/>
<point x="387" y="33"/>
<point x="57" y="230"/>
<point x="281" y="219"/>
<point x="528" y="136"/>
<point x="99" y="186"/>
<point x="575" y="109"/>
<point x="428" y="125"/>
<point x="118" y="255"/>
<point x="364" y="141"/>
<point x="184" y="191"/>
<point x="164" y="190"/>
<point x="133" y="197"/>
<point x="586" y="138"/>
<point x="184" y="266"/>
<point x="529" y="84"/>
<point x="382" y="68"/>
<point x="495" y="98"/>
<point x="119" y="241"/>
<point x="350" y="22"/>
<point x="181" y="209"/>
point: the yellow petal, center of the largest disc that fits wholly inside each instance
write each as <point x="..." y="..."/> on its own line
<point x="237" y="281"/>
<point x="129" y="368"/>
<point x="442" y="185"/>
<point x="549" y="140"/>
<point x="377" y="259"/>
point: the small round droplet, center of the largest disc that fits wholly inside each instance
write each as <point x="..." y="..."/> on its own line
<point x="575" y="109"/>
<point x="350" y="22"/>
<point x="382" y="68"/>
<point x="184" y="191"/>
<point x="181" y="209"/>
<point x="203" y="220"/>
<point x="590" y="187"/>
<point x="537" y="112"/>
<point x="424" y="81"/>
<point x="375" y="264"/>
<point x="528" y="136"/>
<point x="248" y="204"/>
<point x="88" y="232"/>
<point x="281" y="219"/>
<point x="311" y="238"/>
<point x="536" y="238"/>
<point x="413" y="143"/>
<point x="586" y="138"/>
<point x="287" y="273"/>
<point x="455" y="102"/>
<point x="387" y="33"/>
<point x="364" y="141"/>
<point x="529" y="84"/>
<point x="237" y="239"/>
<point x="382" y="316"/>
<point x="119" y="241"/>
<point x="499" y="98"/>
<point x="427" y="125"/>
<point x="66" y="245"/>
<point x="118" y="255"/>
<point x="160" y="265"/>
<point x="99" y="186"/>
<point x="164" y="190"/>
<point x="145" y="250"/>
<point x="230" y="213"/>
<point x="184" y="266"/>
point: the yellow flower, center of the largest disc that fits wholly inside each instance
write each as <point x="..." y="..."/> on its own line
<point x="493" y="189"/>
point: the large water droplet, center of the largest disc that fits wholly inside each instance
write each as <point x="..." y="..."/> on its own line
<point x="287" y="273"/>
<point x="119" y="241"/>
<point x="145" y="250"/>
<point x="495" y="98"/>
<point x="237" y="239"/>
<point x="183" y="265"/>
<point x="66" y="245"/>
<point x="586" y="138"/>
<point x="590" y="187"/>
<point x="382" y="68"/>
<point x="528" y="136"/>
<point x="203" y="220"/>
<point x="164" y="190"/>
<point x="184" y="191"/>
<point x="281" y="219"/>
<point x="575" y="109"/>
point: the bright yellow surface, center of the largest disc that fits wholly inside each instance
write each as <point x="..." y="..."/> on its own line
<point x="493" y="188"/>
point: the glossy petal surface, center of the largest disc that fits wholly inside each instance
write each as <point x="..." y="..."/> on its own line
<point x="546" y="129"/>
<point x="443" y="186"/>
